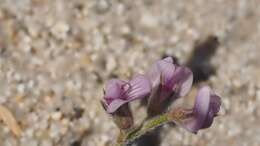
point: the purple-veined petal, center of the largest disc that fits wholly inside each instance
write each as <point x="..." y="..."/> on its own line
<point x="140" y="87"/>
<point x="118" y="92"/>
<point x="114" y="105"/>
<point x="183" y="79"/>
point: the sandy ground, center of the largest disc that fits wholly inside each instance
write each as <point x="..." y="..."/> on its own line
<point x="55" y="56"/>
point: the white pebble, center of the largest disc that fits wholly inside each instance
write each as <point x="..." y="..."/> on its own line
<point x="56" y="115"/>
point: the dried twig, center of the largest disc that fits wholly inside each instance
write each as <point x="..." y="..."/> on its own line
<point x="9" y="120"/>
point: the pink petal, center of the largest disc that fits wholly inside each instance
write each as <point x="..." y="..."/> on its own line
<point x="167" y="72"/>
<point x="183" y="78"/>
<point x="114" y="89"/>
<point x="202" y="103"/>
<point x="114" y="105"/>
<point x="154" y="75"/>
<point x="164" y="68"/>
<point x="205" y="108"/>
<point x="140" y="87"/>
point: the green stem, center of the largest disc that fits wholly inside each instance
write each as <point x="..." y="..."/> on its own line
<point x="147" y="126"/>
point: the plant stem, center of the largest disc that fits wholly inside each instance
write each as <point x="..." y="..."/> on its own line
<point x="147" y="126"/>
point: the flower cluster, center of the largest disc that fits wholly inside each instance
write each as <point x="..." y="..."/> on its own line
<point x="165" y="81"/>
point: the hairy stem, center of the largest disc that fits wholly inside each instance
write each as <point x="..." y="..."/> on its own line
<point x="147" y="126"/>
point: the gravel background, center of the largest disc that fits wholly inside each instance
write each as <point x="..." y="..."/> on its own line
<point x="55" y="56"/>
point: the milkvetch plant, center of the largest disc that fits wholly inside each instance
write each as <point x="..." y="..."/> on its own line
<point x="165" y="81"/>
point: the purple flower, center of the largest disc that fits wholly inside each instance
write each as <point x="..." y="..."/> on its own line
<point x="168" y="79"/>
<point x="119" y="92"/>
<point x="206" y="107"/>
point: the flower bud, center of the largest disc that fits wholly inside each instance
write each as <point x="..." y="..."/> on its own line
<point x="206" y="107"/>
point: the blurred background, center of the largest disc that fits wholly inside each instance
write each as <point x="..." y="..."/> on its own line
<point x="56" y="55"/>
